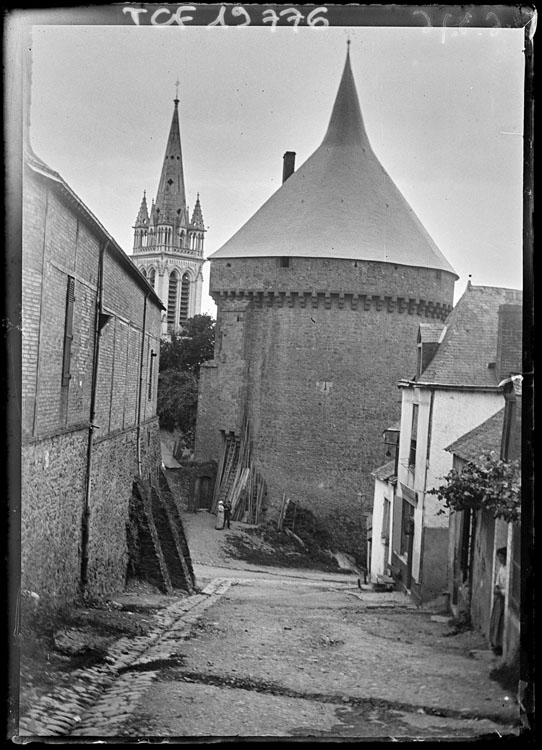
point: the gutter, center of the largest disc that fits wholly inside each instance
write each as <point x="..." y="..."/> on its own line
<point x="99" y="322"/>
<point x="448" y="386"/>
<point x="141" y="366"/>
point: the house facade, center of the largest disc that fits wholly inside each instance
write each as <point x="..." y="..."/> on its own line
<point x="476" y="535"/>
<point x="456" y="388"/>
<point x="90" y="353"/>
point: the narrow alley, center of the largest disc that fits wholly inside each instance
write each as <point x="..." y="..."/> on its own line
<point x="285" y="653"/>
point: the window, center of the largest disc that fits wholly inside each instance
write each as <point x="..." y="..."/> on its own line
<point x="284" y="262"/>
<point x="68" y="332"/>
<point x="386" y="521"/>
<point x="172" y="300"/>
<point x="413" y="437"/>
<point x="151" y="373"/>
<point x="152" y="276"/>
<point x="185" y="295"/>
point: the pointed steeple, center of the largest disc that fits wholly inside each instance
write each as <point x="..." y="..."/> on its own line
<point x="341" y="203"/>
<point x="346" y="127"/>
<point x="143" y="215"/>
<point x="171" y="197"/>
<point x="197" y="216"/>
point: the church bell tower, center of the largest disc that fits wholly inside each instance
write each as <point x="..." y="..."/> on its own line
<point x="168" y="243"/>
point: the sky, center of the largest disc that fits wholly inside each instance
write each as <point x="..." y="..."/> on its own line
<point x="443" y="109"/>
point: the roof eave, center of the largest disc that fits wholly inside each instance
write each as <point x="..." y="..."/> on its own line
<point x="447" y="386"/>
<point x="59" y="183"/>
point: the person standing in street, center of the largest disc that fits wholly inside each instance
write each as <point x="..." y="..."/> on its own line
<point x="227" y="514"/>
<point x="496" y="624"/>
<point x="220" y="515"/>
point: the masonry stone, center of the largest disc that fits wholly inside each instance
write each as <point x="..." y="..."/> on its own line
<point x="319" y="298"/>
<point x="73" y="459"/>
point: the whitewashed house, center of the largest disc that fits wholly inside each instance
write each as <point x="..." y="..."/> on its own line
<point x="460" y="365"/>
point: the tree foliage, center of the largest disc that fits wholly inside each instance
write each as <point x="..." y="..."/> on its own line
<point x="187" y="350"/>
<point x="180" y="362"/>
<point x="178" y="402"/>
<point x="490" y="484"/>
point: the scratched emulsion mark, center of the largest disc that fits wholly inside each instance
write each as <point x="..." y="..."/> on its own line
<point x="451" y="20"/>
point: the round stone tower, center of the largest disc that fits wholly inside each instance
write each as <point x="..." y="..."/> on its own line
<point x="319" y="297"/>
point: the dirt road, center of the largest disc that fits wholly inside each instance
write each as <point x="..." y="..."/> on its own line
<point x="281" y="653"/>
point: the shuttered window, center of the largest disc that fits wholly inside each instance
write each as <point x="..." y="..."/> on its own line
<point x="68" y="332"/>
<point x="413" y="437"/>
<point x="151" y="373"/>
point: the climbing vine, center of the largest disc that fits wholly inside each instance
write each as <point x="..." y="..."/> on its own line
<point x="490" y="484"/>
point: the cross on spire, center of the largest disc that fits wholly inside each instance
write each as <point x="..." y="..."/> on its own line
<point x="177" y="82"/>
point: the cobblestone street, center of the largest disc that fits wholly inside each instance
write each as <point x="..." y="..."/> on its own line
<point x="281" y="653"/>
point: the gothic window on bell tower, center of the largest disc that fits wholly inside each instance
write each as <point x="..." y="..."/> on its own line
<point x="172" y="300"/>
<point x="185" y="298"/>
<point x="152" y="277"/>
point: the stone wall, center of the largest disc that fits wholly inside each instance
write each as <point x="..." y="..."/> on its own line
<point x="313" y="353"/>
<point x="62" y="242"/>
<point x="54" y="492"/>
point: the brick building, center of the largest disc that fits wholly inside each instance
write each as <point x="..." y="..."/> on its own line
<point x="319" y="297"/>
<point x="90" y="346"/>
<point x="168" y="244"/>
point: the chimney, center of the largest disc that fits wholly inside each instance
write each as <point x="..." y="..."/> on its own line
<point x="288" y="165"/>
<point x="509" y="341"/>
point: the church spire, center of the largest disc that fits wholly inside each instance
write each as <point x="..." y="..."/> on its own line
<point x="143" y="215"/>
<point x="170" y="206"/>
<point x="197" y="216"/>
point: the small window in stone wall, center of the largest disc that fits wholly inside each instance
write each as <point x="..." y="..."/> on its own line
<point x="284" y="262"/>
<point x="439" y="275"/>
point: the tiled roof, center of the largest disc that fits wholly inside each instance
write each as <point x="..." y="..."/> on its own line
<point x="430" y="332"/>
<point x="341" y="203"/>
<point x="38" y="166"/>
<point x="469" y="344"/>
<point x="385" y="472"/>
<point x="482" y="439"/>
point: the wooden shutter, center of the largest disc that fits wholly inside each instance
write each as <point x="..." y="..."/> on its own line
<point x="68" y="332"/>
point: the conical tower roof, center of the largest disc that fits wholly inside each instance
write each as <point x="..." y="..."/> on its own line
<point x="171" y="198"/>
<point x="341" y="203"/>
